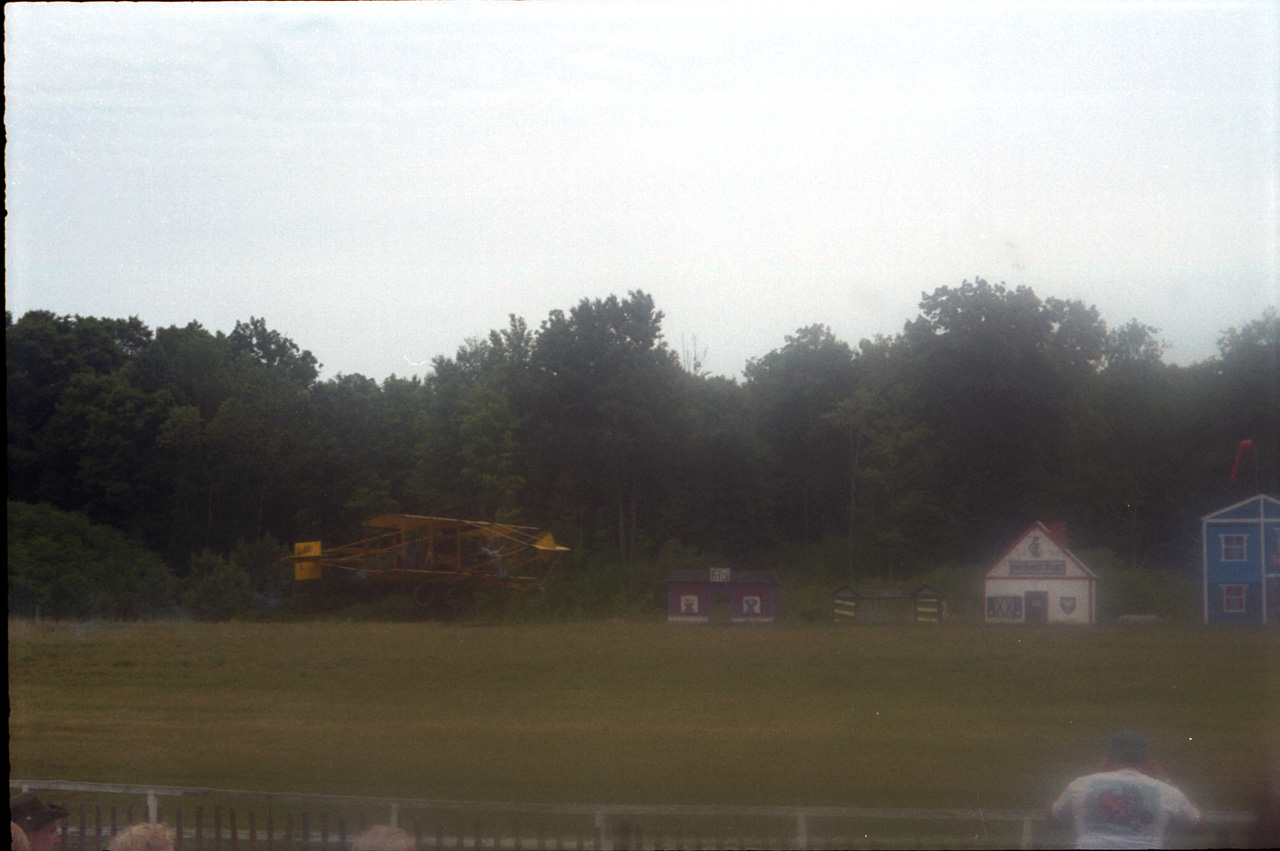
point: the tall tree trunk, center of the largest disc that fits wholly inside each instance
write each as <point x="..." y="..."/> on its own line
<point x="807" y="481"/>
<point x="631" y="538"/>
<point x="262" y="497"/>
<point x="855" y="439"/>
<point x="623" y="555"/>
<point x="208" y="527"/>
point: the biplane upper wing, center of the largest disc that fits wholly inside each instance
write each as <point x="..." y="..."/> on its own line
<point x="405" y="522"/>
<point x="527" y="535"/>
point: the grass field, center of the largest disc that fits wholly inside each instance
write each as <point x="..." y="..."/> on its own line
<point x="624" y="712"/>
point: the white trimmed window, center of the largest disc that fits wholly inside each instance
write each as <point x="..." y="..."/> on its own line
<point x="1233" y="547"/>
<point x="1233" y="598"/>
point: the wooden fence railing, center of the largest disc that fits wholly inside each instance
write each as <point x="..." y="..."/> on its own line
<point x="235" y="820"/>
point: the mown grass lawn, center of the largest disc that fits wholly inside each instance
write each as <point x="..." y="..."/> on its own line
<point x="622" y="712"/>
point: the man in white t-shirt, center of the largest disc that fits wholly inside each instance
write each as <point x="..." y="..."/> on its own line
<point x="1124" y="805"/>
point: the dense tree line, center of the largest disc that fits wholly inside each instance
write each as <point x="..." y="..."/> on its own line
<point x="932" y="447"/>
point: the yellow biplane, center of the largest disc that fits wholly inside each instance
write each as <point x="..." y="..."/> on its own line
<point x="431" y="552"/>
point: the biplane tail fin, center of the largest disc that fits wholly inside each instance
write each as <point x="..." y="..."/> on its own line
<point x="306" y="569"/>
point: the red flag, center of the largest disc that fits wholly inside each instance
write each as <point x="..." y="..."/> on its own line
<point x="1235" y="465"/>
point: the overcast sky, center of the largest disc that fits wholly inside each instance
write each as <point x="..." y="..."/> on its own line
<point x="382" y="181"/>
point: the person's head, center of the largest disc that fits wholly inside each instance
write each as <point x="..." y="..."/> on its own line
<point x="384" y="837"/>
<point x="18" y="839"/>
<point x="144" y="837"/>
<point x="38" y="820"/>
<point x="1128" y="749"/>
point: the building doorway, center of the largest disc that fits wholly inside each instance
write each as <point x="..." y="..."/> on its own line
<point x="1037" y="603"/>
<point x="720" y="605"/>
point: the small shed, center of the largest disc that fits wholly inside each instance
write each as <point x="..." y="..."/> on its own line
<point x="1038" y="580"/>
<point x="925" y="605"/>
<point x="722" y="595"/>
<point x="844" y="605"/>
<point x="882" y="605"/>
<point x="930" y="606"/>
<point x="1241" y="564"/>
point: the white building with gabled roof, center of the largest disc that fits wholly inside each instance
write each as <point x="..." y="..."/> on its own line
<point x="1038" y="580"/>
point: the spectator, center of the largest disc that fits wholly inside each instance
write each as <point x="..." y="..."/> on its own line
<point x="1126" y="804"/>
<point x="17" y="839"/>
<point x="384" y="837"/>
<point x="38" y="820"/>
<point x="147" y="836"/>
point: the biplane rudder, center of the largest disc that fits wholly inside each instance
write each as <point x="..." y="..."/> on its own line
<point x="304" y="570"/>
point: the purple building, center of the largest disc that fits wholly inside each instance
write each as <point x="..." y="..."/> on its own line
<point x="722" y="595"/>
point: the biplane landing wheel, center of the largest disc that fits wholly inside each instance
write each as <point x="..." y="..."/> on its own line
<point x="425" y="596"/>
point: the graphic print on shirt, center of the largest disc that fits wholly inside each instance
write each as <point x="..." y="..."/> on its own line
<point x="1120" y="808"/>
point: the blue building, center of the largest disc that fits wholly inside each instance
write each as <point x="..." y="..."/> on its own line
<point x="1242" y="562"/>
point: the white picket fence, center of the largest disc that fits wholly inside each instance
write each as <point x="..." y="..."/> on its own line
<point x="218" y="819"/>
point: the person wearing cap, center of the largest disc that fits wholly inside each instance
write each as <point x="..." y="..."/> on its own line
<point x="38" y="820"/>
<point x="1126" y="804"/>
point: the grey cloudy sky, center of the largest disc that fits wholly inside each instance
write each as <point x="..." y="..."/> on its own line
<point x="382" y="181"/>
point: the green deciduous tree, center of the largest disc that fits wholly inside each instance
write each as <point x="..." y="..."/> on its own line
<point x="43" y="353"/>
<point x="896" y="511"/>
<point x="792" y="389"/>
<point x="604" y="404"/>
<point x="271" y="349"/>
<point x="717" y="498"/>
<point x="97" y="450"/>
<point x="1244" y="399"/>
<point x="61" y="565"/>
<point x="487" y="423"/>
<point x="216" y="589"/>
<point x="1000" y="373"/>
